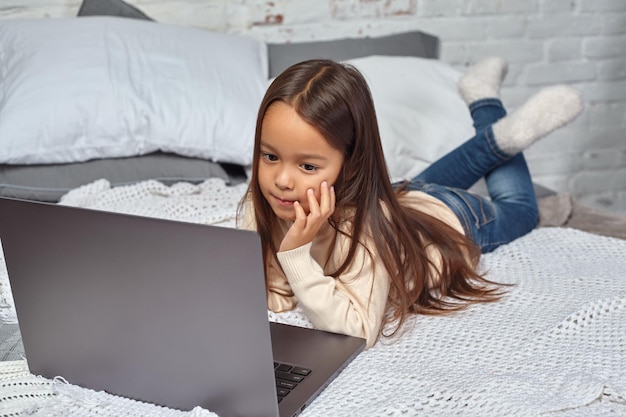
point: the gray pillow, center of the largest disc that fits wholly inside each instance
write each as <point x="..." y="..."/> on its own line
<point x="110" y="8"/>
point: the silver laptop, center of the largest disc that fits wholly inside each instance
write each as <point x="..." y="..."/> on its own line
<point x="166" y="312"/>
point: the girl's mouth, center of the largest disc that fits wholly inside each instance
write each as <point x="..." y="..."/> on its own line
<point x="283" y="203"/>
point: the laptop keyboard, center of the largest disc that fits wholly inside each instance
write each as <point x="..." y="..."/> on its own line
<point x="288" y="377"/>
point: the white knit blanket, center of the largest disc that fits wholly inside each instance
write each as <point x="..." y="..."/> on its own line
<point x="554" y="346"/>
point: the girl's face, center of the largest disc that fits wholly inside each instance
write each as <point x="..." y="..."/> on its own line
<point x="293" y="158"/>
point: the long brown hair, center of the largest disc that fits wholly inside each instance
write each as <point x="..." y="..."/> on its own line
<point x="335" y="99"/>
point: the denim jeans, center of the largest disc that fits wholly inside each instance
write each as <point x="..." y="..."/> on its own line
<point x="511" y="209"/>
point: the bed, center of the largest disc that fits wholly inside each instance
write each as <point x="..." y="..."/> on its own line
<point x="555" y="345"/>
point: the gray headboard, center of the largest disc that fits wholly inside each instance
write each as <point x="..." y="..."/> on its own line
<point x="414" y="43"/>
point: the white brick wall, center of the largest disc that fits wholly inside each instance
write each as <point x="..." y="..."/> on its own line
<point x="578" y="42"/>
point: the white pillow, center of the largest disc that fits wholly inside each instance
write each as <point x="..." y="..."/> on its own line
<point x="421" y="115"/>
<point x="97" y="87"/>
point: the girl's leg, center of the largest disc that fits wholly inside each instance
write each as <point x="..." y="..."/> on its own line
<point x="514" y="204"/>
<point x="465" y="165"/>
<point x="495" y="153"/>
<point x="511" y="192"/>
<point x="471" y="161"/>
<point x="510" y="212"/>
<point x="497" y="142"/>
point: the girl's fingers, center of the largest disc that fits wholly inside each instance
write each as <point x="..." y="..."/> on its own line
<point x="327" y="199"/>
<point x="299" y="233"/>
<point x="306" y="226"/>
<point x="324" y="197"/>
<point x="314" y="206"/>
<point x="300" y="214"/>
<point x="333" y="199"/>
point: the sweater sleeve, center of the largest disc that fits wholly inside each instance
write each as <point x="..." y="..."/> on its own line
<point x="353" y="303"/>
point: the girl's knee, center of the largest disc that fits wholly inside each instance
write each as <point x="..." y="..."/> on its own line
<point x="528" y="218"/>
<point x="518" y="219"/>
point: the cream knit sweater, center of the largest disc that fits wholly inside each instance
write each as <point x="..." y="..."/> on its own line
<point x="354" y="303"/>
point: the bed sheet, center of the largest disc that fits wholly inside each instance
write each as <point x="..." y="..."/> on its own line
<point x="555" y="345"/>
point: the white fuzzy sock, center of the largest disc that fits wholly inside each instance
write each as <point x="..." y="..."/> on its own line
<point x="483" y="80"/>
<point x="544" y="112"/>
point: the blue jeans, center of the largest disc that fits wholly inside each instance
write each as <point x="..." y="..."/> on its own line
<point x="511" y="209"/>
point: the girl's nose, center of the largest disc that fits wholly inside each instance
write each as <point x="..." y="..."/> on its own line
<point x="284" y="180"/>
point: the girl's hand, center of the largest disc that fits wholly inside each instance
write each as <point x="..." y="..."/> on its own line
<point x="306" y="226"/>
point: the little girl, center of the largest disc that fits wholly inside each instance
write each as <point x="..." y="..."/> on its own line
<point x="358" y="253"/>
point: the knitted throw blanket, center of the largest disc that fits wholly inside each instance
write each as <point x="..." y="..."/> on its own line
<point x="554" y="346"/>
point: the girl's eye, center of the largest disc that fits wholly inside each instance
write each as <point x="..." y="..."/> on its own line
<point x="269" y="157"/>
<point x="309" y="167"/>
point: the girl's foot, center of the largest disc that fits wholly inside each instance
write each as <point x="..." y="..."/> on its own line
<point x="483" y="80"/>
<point x="541" y="114"/>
